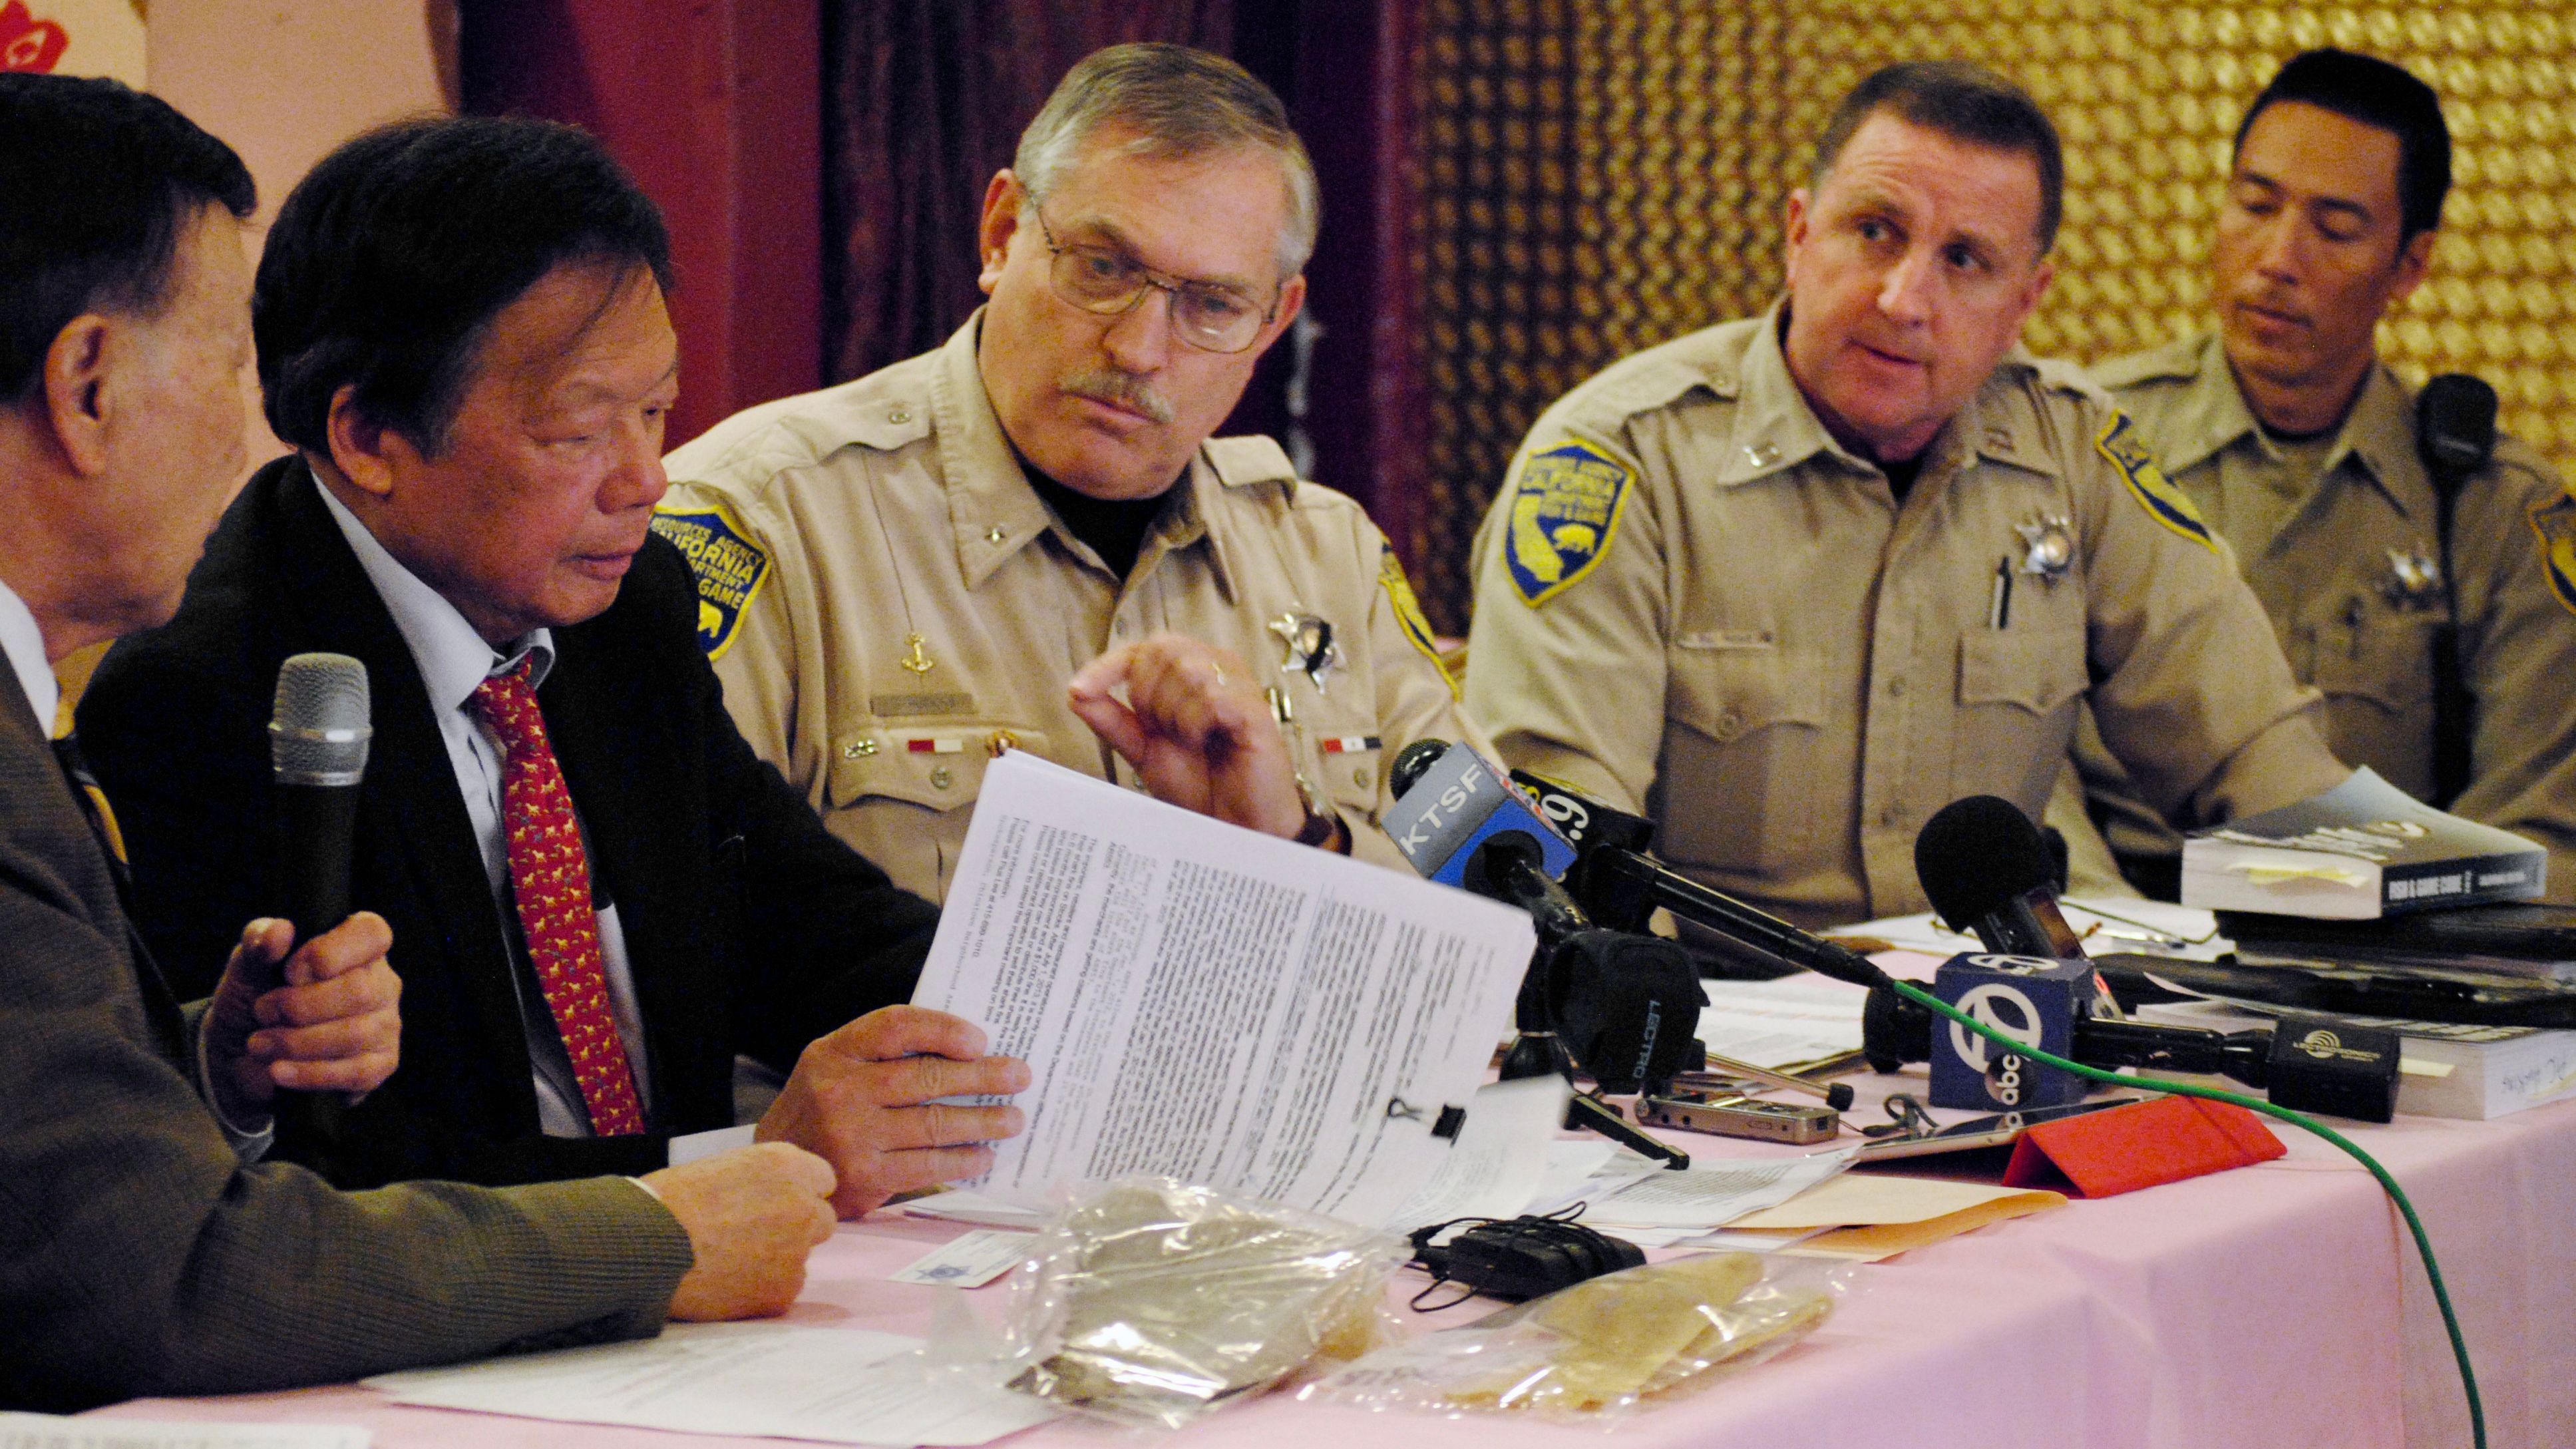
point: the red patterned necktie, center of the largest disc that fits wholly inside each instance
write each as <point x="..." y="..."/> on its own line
<point x="550" y="876"/>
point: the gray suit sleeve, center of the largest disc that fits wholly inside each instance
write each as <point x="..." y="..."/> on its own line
<point x="138" y="1255"/>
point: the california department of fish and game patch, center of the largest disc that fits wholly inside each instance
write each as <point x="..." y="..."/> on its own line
<point x="2155" y="492"/>
<point x="1564" y="509"/>
<point x="729" y="568"/>
<point x="2556" y="525"/>
<point x="1408" y="612"/>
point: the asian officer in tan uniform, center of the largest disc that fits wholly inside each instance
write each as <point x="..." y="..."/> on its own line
<point x="1790" y="585"/>
<point x="902" y="575"/>
<point x="2299" y="446"/>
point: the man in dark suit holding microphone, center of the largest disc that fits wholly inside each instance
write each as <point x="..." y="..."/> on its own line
<point x="144" y="1247"/>
<point x="603" y="895"/>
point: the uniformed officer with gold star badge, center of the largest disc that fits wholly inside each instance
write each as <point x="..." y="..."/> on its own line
<point x="2302" y="448"/>
<point x="905" y="575"/>
<point x="1789" y="585"/>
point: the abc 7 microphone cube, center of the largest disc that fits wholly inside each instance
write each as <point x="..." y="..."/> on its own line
<point x="2030" y="999"/>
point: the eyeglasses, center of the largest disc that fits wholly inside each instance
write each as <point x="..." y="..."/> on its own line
<point x="1106" y="282"/>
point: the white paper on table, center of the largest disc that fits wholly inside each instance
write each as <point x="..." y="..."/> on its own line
<point x="774" y="1380"/>
<point x="1587" y="1170"/>
<point x="2157" y="928"/>
<point x="692" y="1146"/>
<point x="960" y="1206"/>
<point x="1784" y="1022"/>
<point x="45" y="1431"/>
<point x="1571" y="1161"/>
<point x="1712" y="1194"/>
<point x="969" y="1260"/>
<point x="1730" y="1240"/>
<point x="1212" y="1004"/>
<point x="1500" y="1159"/>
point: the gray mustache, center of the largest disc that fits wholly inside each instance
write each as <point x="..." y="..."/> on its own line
<point x="1120" y="389"/>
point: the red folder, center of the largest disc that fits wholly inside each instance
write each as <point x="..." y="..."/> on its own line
<point x="2166" y="1140"/>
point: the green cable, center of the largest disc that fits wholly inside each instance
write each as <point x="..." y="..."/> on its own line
<point x="2414" y="1224"/>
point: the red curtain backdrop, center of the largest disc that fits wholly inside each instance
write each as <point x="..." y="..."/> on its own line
<point x="924" y="100"/>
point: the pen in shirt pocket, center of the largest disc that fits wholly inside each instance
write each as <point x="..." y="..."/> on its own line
<point x="1999" y="609"/>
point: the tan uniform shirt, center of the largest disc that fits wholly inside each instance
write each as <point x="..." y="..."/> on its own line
<point x="2329" y="545"/>
<point x="885" y="598"/>
<point x="1691" y="600"/>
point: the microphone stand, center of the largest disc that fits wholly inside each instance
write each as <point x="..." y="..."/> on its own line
<point x="1512" y="875"/>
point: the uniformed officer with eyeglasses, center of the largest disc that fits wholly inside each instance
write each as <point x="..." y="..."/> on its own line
<point x="985" y="547"/>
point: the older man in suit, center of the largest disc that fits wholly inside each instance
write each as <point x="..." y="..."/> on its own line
<point x="604" y="893"/>
<point x="143" y="1247"/>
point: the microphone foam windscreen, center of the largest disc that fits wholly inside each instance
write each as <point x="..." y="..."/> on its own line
<point x="318" y="731"/>
<point x="1977" y="855"/>
<point x="1413" y="762"/>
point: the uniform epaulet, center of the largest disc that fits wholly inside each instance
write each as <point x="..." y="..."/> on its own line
<point x="887" y="423"/>
<point x="2052" y="374"/>
<point x="2173" y="362"/>
<point x="877" y="411"/>
<point x="1661" y="376"/>
<point x="1249" y="460"/>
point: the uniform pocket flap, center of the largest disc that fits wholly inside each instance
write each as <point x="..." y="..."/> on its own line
<point x="940" y="767"/>
<point x="1348" y="765"/>
<point x="2036" y="669"/>
<point x="2388" y="661"/>
<point x="1727" y="694"/>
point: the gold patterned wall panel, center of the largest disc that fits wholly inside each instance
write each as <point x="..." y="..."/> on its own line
<point x="1601" y="175"/>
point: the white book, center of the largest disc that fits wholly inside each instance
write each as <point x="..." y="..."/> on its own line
<point x="2362" y="850"/>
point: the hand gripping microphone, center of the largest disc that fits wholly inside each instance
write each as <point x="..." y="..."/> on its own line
<point x="317" y="747"/>
<point x="1986" y="868"/>
<point x="1621" y="886"/>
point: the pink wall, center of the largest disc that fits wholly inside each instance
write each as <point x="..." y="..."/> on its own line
<point x="286" y="83"/>
<point x="716" y="107"/>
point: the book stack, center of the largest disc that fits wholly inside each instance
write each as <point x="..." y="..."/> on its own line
<point x="2361" y="851"/>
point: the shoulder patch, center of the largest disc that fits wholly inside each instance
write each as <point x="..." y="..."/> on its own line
<point x="1408" y="612"/>
<point x="1565" y="507"/>
<point x="729" y="568"/>
<point x="2155" y="492"/>
<point x="2555" y="522"/>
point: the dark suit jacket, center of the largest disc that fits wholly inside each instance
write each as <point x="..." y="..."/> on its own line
<point x="138" y="1255"/>
<point x="748" y="926"/>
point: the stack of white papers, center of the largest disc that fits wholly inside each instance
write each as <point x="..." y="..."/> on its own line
<point x="1647" y="1204"/>
<point x="1784" y="1023"/>
<point x="2154" y="928"/>
<point x="837" y="1385"/>
<point x="1205" y="1003"/>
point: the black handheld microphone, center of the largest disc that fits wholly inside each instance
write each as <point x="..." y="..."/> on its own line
<point x="1621" y="886"/>
<point x="2455" y="433"/>
<point x="2307" y="1064"/>
<point x="317" y="747"/>
<point x="2455" y="428"/>
<point x="1986" y="868"/>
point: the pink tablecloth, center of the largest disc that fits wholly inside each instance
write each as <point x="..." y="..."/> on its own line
<point x="2267" y="1306"/>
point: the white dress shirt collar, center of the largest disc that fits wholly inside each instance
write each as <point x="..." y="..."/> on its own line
<point x="453" y="659"/>
<point x="25" y="644"/>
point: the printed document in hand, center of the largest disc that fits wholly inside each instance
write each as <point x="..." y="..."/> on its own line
<point x="771" y="1380"/>
<point x="1211" y="1004"/>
